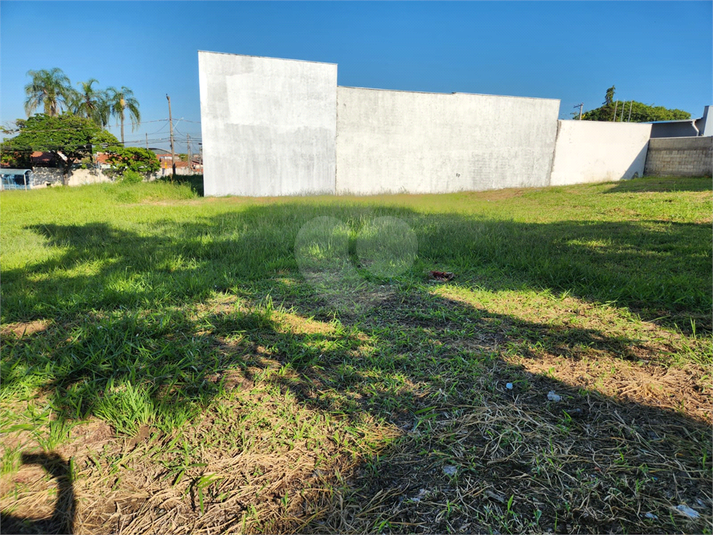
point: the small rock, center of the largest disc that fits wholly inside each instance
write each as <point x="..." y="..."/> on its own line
<point x="687" y="511"/>
<point x="553" y="397"/>
<point x="450" y="470"/>
<point x="508" y="386"/>
<point x="651" y="516"/>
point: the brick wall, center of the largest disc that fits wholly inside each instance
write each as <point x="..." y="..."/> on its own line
<point x="680" y="156"/>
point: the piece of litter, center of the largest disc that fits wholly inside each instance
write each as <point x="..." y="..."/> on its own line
<point x="651" y="516"/>
<point x="450" y="470"/>
<point x="687" y="511"/>
<point x="441" y="276"/>
<point x="508" y="386"/>
<point x="553" y="397"/>
<point x="421" y="494"/>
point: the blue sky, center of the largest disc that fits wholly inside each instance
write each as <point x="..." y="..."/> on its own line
<point x="659" y="53"/>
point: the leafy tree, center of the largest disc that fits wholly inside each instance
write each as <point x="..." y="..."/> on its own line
<point x="126" y="161"/>
<point x="609" y="96"/>
<point x="50" y="89"/>
<point x="68" y="137"/>
<point x="91" y="103"/>
<point x="16" y="158"/>
<point x="105" y="141"/>
<point x="121" y="103"/>
<point x="640" y="112"/>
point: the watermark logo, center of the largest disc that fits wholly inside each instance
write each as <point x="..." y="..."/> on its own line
<point x="384" y="247"/>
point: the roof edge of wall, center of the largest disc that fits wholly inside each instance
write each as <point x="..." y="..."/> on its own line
<point x="265" y="57"/>
<point x="446" y="94"/>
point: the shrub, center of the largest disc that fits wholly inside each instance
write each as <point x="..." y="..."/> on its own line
<point x="131" y="177"/>
<point x="133" y="159"/>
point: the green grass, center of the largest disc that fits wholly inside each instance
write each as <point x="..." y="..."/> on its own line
<point x="239" y="329"/>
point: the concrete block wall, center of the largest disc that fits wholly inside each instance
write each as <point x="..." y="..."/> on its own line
<point x="591" y="151"/>
<point x="268" y="125"/>
<point x="403" y="141"/>
<point x="680" y="156"/>
<point x="41" y="176"/>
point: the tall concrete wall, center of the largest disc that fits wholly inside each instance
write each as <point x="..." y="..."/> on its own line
<point x="680" y="156"/>
<point x="592" y="151"/>
<point x="268" y="125"/>
<point x="398" y="141"/>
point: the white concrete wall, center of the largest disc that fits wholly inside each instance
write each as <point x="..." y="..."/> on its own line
<point x="592" y="151"/>
<point x="398" y="141"/>
<point x="268" y="125"/>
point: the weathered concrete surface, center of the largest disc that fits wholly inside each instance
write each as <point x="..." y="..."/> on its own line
<point x="680" y="156"/>
<point x="591" y="151"/>
<point x="41" y="176"/>
<point x="399" y="141"/>
<point x="268" y="125"/>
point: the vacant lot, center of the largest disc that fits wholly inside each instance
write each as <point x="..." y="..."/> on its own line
<point x="176" y="364"/>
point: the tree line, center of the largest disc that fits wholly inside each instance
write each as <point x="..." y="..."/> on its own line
<point x="52" y="91"/>
<point x="74" y="124"/>
<point x="631" y="111"/>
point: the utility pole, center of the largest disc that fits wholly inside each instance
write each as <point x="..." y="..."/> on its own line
<point x="147" y="141"/>
<point x="580" y="109"/>
<point x="188" y="152"/>
<point x="173" y="152"/>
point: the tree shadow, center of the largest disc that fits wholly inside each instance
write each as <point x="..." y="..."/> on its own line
<point x="661" y="184"/>
<point x="124" y="303"/>
<point x="62" y="519"/>
<point x="194" y="181"/>
<point x="658" y="269"/>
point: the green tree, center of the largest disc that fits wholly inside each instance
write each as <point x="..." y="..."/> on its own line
<point x="49" y="89"/>
<point x="640" y="113"/>
<point x="122" y="103"/>
<point x="609" y="96"/>
<point x="133" y="160"/>
<point x="68" y="137"/>
<point x="91" y="103"/>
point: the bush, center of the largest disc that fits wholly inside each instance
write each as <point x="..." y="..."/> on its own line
<point x="134" y="159"/>
<point x="131" y="177"/>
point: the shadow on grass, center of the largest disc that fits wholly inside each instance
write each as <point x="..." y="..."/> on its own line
<point x="131" y="346"/>
<point x="194" y="181"/>
<point x="62" y="519"/>
<point x="656" y="268"/>
<point x="661" y="184"/>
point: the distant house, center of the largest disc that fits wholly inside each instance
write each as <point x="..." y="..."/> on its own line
<point x="43" y="159"/>
<point x="195" y="166"/>
<point x="102" y="160"/>
<point x="37" y="159"/>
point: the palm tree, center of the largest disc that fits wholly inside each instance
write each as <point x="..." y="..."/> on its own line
<point x="122" y="101"/>
<point x="50" y="89"/>
<point x="91" y="103"/>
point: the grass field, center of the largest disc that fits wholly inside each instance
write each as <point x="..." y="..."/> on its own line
<point x="177" y="364"/>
